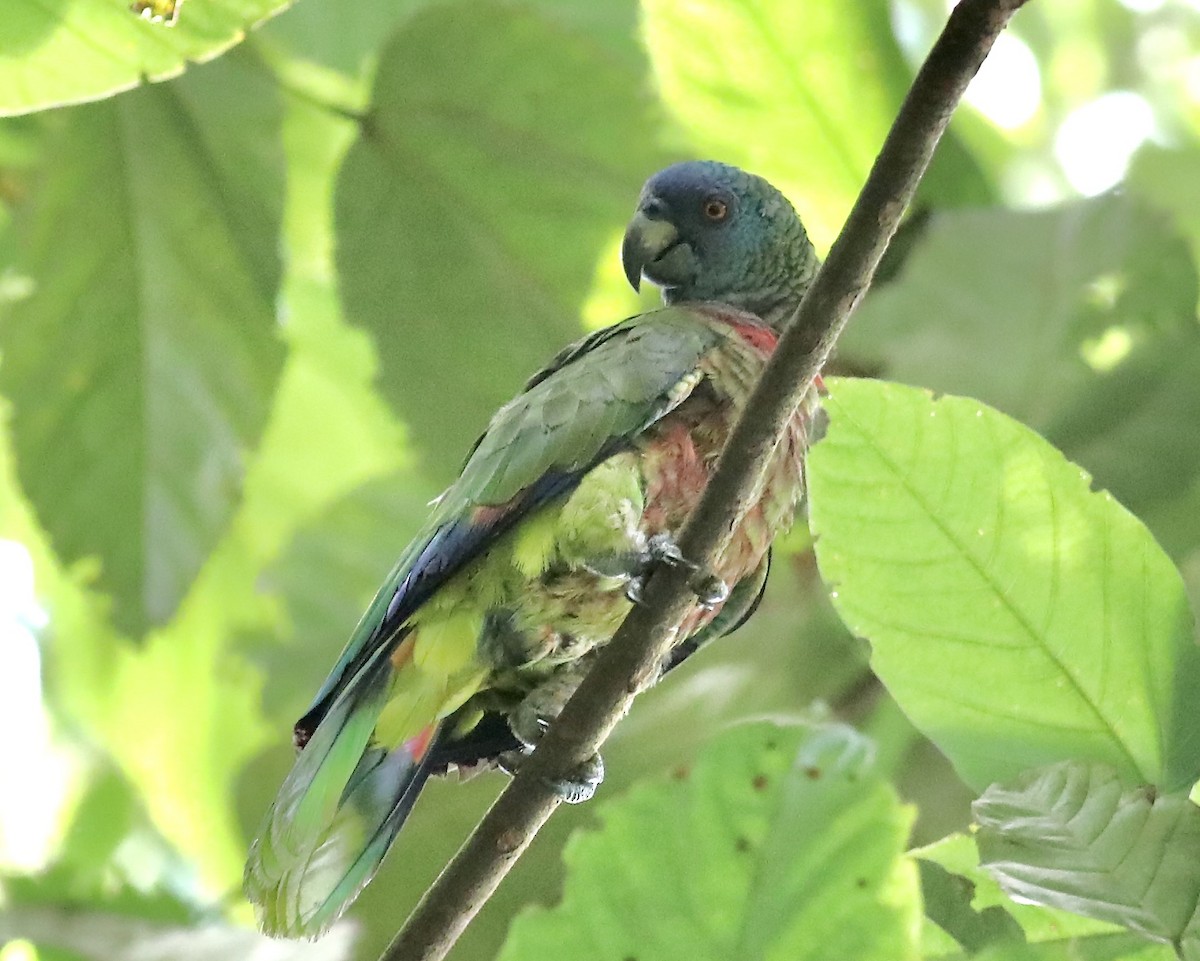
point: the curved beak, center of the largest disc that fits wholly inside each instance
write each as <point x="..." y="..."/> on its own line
<point x="646" y="239"/>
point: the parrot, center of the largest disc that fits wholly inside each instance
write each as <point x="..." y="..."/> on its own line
<point x="532" y="558"/>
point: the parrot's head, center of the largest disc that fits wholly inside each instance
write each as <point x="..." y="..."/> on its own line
<point x="707" y="231"/>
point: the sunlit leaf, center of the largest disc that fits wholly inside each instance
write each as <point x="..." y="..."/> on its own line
<point x="1074" y="836"/>
<point x="65" y="52"/>
<point x="780" y="843"/>
<point x="142" y="365"/>
<point x="1018" y="617"/>
<point x="473" y="206"/>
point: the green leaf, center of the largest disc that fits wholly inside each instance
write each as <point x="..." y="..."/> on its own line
<point x="1078" y="321"/>
<point x="53" y="53"/>
<point x="472" y="208"/>
<point x="142" y="367"/>
<point x="1018" y="617"/>
<point x="781" y="842"/>
<point x="1074" y="836"/>
<point x="781" y="89"/>
<point x="947" y="900"/>
<point x="1048" y="934"/>
<point x="347" y="37"/>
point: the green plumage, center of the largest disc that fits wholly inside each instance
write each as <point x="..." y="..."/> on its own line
<point x="485" y="624"/>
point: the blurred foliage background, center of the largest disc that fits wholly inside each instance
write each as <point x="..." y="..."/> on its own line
<point x="251" y="317"/>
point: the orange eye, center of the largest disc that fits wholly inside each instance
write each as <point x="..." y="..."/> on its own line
<point x="715" y="209"/>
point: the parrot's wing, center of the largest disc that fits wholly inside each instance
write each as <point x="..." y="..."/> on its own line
<point x="590" y="402"/>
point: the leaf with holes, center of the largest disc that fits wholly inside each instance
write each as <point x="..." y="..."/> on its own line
<point x="1018" y="617"/>
<point x="54" y="53"/>
<point x="781" y="842"/>
<point x="967" y="914"/>
<point x="1074" y="836"/>
<point x="142" y="366"/>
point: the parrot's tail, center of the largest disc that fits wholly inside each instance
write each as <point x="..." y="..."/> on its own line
<point x="336" y="814"/>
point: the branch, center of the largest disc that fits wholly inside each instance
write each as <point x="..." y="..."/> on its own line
<point x="630" y="662"/>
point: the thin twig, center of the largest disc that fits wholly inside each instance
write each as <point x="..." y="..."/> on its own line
<point x="630" y="661"/>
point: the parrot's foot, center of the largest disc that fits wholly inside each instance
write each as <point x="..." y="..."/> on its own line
<point x="530" y="719"/>
<point x="575" y="787"/>
<point x="580" y="785"/>
<point x="709" y="589"/>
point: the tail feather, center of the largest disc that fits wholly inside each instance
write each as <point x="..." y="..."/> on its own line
<point x="336" y="814"/>
<point x="375" y="813"/>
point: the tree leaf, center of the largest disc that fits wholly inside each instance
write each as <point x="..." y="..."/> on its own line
<point x="64" y="52"/>
<point x="1078" y="321"/>
<point x="1074" y="836"/>
<point x="1047" y="934"/>
<point x="777" y="87"/>
<point x="1018" y="617"/>
<point x="782" y="842"/>
<point x="472" y="208"/>
<point x="947" y="899"/>
<point x="142" y="367"/>
<point x="347" y="37"/>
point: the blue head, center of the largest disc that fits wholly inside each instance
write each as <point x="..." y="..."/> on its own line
<point x="706" y="231"/>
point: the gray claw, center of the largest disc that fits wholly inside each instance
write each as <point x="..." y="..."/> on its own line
<point x="510" y="761"/>
<point x="709" y="589"/>
<point x="580" y="785"/>
<point x="662" y="548"/>
<point x="575" y="788"/>
<point x="635" y="589"/>
<point x="528" y="730"/>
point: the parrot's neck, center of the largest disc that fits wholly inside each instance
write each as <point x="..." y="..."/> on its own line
<point x="774" y="301"/>
<point x="776" y="306"/>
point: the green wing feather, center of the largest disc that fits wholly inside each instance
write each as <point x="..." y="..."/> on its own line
<point x="606" y="387"/>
